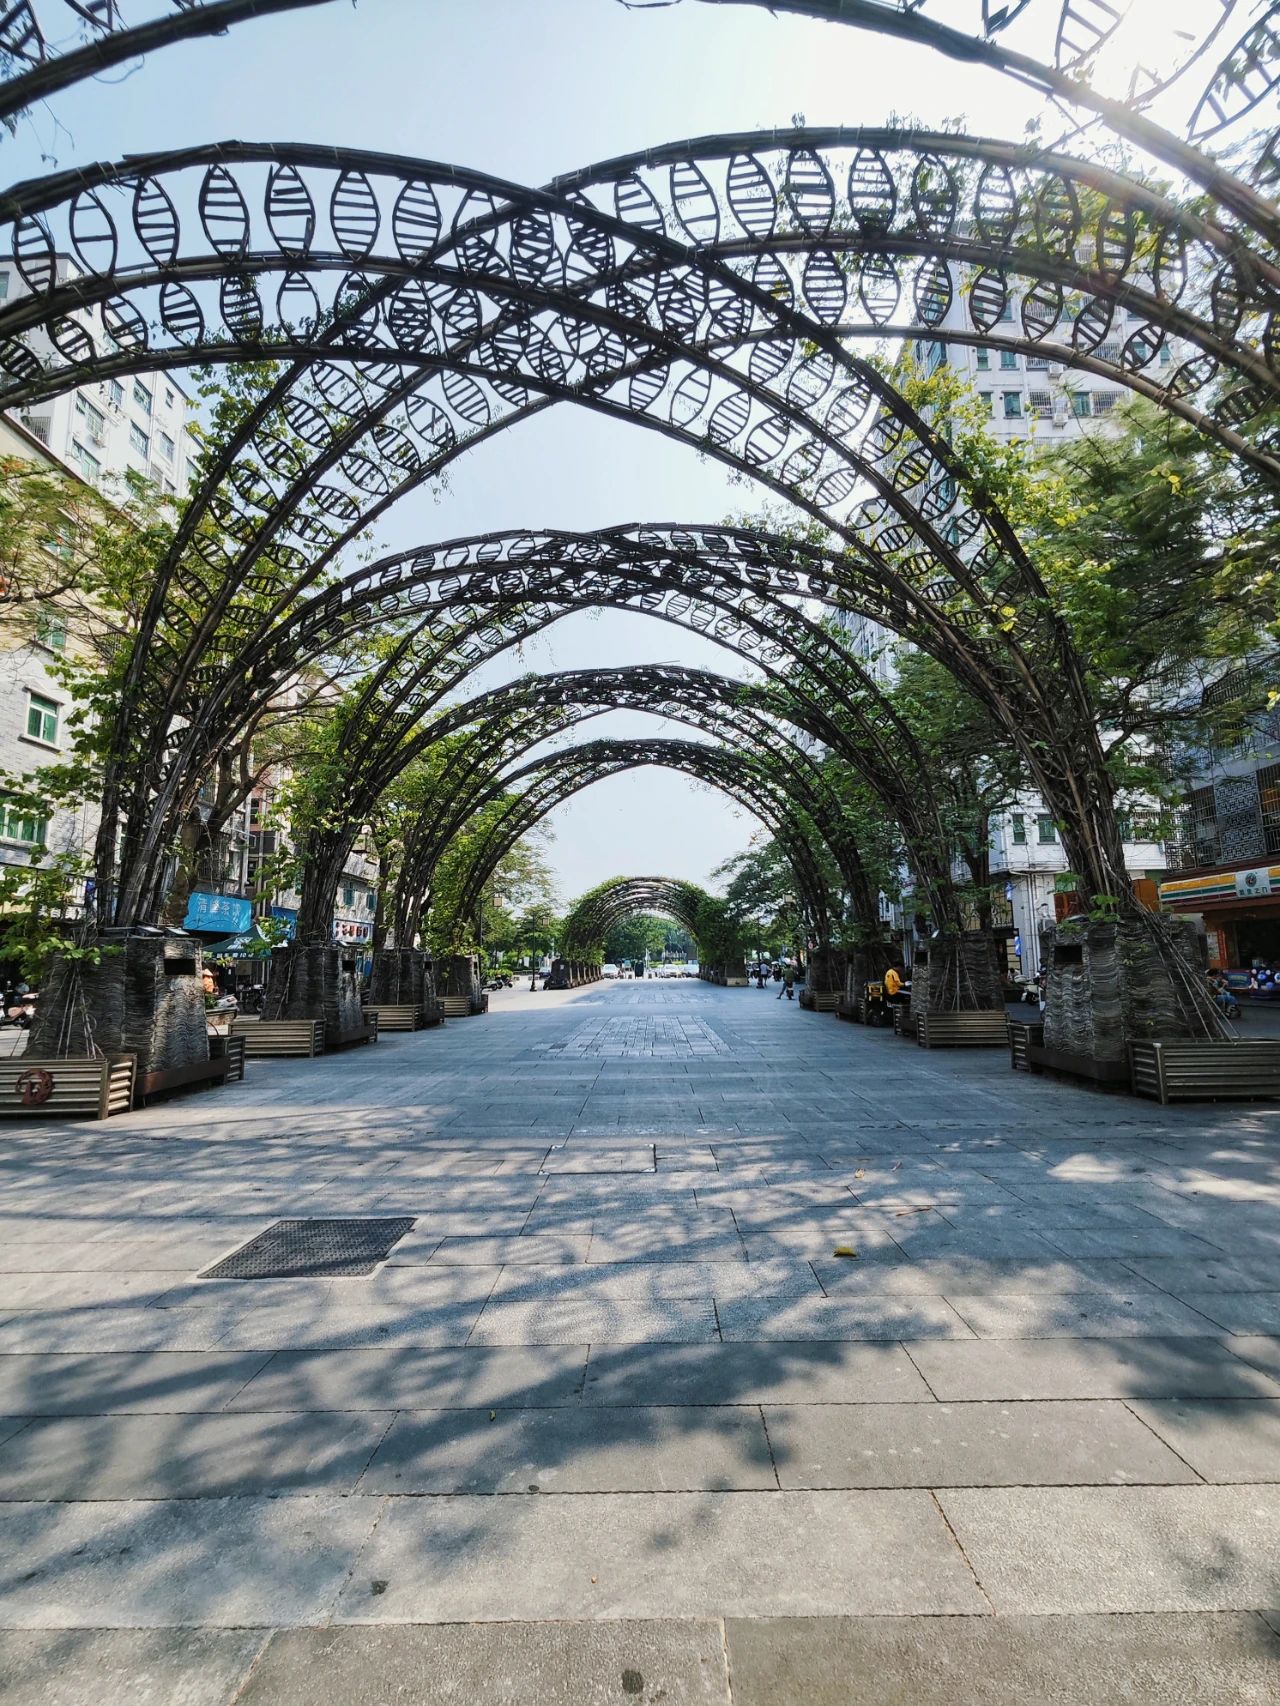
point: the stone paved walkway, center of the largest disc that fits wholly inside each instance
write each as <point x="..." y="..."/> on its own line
<point x="615" y="1421"/>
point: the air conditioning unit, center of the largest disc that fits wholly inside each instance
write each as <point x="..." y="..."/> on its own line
<point x="1055" y="370"/>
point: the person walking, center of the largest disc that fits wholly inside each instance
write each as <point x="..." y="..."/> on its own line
<point x="788" y="984"/>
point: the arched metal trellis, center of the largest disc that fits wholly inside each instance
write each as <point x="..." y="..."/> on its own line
<point x="640" y="315"/>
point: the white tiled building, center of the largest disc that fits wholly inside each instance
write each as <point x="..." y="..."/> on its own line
<point x="109" y="427"/>
<point x="1026" y="397"/>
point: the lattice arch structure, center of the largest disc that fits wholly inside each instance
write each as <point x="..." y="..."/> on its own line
<point x="589" y="921"/>
<point x="509" y="724"/>
<point x="740" y="777"/>
<point x="485" y="310"/>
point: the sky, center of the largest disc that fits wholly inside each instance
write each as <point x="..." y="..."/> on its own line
<point x="529" y="89"/>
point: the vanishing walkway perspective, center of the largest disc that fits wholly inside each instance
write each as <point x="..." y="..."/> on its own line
<point x="616" y="1419"/>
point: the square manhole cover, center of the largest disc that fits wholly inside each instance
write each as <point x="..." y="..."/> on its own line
<point x="312" y="1249"/>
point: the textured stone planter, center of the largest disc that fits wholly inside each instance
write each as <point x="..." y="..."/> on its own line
<point x="958" y="976"/>
<point x="460" y="988"/>
<point x="1110" y="985"/>
<point x="317" y="981"/>
<point x="144" y="998"/>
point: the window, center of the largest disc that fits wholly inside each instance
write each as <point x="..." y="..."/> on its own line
<point x="164" y="444"/>
<point x="4" y="285"/>
<point x="987" y="401"/>
<point x="1105" y="401"/>
<point x="168" y="398"/>
<point x="88" y="464"/>
<point x="371" y="901"/>
<point x="1046" y="831"/>
<point x="94" y="419"/>
<point x="141" y="397"/>
<point x="115" y="390"/>
<point x="138" y="440"/>
<point x="1040" y="405"/>
<point x="1269" y="800"/>
<point x="1081" y="403"/>
<point x="1013" y="405"/>
<point x="1018" y="822"/>
<point x="983" y="358"/>
<point x="348" y="894"/>
<point x="1006" y="313"/>
<point x="1166" y="355"/>
<point x="51" y="629"/>
<point x="42" y="719"/>
<point x="1009" y="359"/>
<point x="1037" y="363"/>
<point x="25" y="827"/>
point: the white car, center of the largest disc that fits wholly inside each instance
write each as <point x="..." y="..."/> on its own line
<point x="609" y="971"/>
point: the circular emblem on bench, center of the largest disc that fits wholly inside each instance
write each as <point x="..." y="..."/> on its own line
<point x="34" y="1086"/>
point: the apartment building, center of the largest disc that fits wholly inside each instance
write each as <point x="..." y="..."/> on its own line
<point x="1224" y="857"/>
<point x="99" y="434"/>
<point x="1026" y="397"/>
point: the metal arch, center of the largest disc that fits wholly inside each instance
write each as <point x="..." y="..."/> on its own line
<point x="998" y="208"/>
<point x="917" y="489"/>
<point x="29" y="38"/>
<point x="1078" y="37"/>
<point x="652" y="568"/>
<point x="833" y="701"/>
<point x="481" y="780"/>
<point x="594" y="914"/>
<point x="732" y="773"/>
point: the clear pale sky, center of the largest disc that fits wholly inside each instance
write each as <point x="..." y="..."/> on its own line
<point x="529" y="89"/>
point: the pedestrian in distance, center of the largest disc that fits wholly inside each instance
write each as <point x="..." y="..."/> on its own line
<point x="788" y="984"/>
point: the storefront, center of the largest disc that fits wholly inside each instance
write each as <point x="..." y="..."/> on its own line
<point x="1240" y="910"/>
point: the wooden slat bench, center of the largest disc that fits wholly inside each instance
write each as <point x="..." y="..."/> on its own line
<point x="358" y="1035"/>
<point x="822" y="1001"/>
<point x="276" y="1037"/>
<point x="1096" y="1071"/>
<point x="87" y="1084"/>
<point x="209" y="1072"/>
<point x="963" y="1030"/>
<point x="398" y="1018"/>
<point x="1022" y="1034"/>
<point x="1205" y="1071"/>
<point x="459" y="1006"/>
<point x="904" y="1023"/>
<point x="233" y="1048"/>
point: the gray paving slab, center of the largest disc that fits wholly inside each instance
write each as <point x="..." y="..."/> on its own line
<point x="671" y="1449"/>
<point x="155" y="1667"/>
<point x="1228" y="1439"/>
<point x="967" y="1445"/>
<point x="114" y="1383"/>
<point x="658" y="1555"/>
<point x="188" y="1456"/>
<point x="862" y="1317"/>
<point x="781" y="1371"/>
<point x="99" y="1290"/>
<point x="1088" y="1368"/>
<point x="222" y="1563"/>
<point x="680" y="1663"/>
<point x="1207" y="1273"/>
<point x="999" y="1661"/>
<point x="967" y="1276"/>
<point x="397" y="1377"/>
<point x="527" y="1251"/>
<point x="1261" y="1351"/>
<point x="1244" y="1312"/>
<point x="1077" y="1315"/>
<point x="1055" y="1550"/>
<point x="127" y="1328"/>
<point x="573" y="1322"/>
